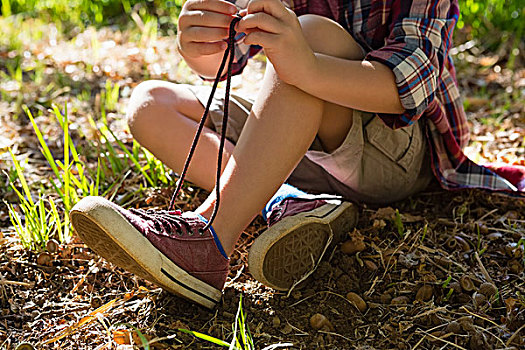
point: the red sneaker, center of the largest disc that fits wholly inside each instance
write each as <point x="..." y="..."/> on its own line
<point x="167" y="248"/>
<point x="300" y="232"/>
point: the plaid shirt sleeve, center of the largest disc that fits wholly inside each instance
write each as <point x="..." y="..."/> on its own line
<point x="416" y="51"/>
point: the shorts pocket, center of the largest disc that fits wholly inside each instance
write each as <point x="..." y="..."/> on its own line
<point x="400" y="145"/>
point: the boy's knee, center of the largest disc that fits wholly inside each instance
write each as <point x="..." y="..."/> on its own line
<point x="145" y="98"/>
<point x="329" y="37"/>
<point x="141" y="98"/>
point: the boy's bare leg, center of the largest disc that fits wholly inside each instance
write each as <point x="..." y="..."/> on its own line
<point x="163" y="117"/>
<point x="282" y="125"/>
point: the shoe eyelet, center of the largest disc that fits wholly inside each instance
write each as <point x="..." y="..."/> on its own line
<point x="191" y="233"/>
<point x="201" y="231"/>
<point x="179" y="233"/>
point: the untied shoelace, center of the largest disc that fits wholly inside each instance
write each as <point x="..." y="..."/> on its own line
<point x="229" y="52"/>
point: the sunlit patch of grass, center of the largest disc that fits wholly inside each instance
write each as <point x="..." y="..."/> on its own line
<point x="109" y="97"/>
<point x="40" y="219"/>
<point x="242" y="338"/>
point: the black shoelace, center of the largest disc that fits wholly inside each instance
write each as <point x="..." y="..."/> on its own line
<point x="230" y="52"/>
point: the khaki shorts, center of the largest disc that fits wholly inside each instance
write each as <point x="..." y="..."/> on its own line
<point x="374" y="164"/>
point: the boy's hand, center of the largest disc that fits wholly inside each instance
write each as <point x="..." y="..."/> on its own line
<point x="203" y="26"/>
<point x="270" y="24"/>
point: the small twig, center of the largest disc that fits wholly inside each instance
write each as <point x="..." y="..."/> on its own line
<point x="297" y="329"/>
<point x="17" y="283"/>
<point x="483" y="318"/>
<point x="374" y="282"/>
<point x="443" y="340"/>
<point x="333" y="333"/>
<point x="514" y="336"/>
<point x="430" y="312"/>
<point x="430" y="330"/>
<point x="482" y="268"/>
<point x="239" y="273"/>
<point x="488" y="214"/>
<point x="486" y="331"/>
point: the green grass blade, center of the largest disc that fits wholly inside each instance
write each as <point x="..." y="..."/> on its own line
<point x="235" y="342"/>
<point x="6" y="8"/>
<point x="111" y="155"/>
<point x="207" y="338"/>
<point x="43" y="227"/>
<point x="58" y="222"/>
<point x="133" y="159"/>
<point x="19" y="227"/>
<point x="94" y="192"/>
<point x="67" y="173"/>
<point x="44" y="148"/>
<point x="21" y="177"/>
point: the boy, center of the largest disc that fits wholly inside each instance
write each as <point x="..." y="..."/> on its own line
<point x="359" y="99"/>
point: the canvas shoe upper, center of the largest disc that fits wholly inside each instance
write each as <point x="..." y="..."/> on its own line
<point x="168" y="248"/>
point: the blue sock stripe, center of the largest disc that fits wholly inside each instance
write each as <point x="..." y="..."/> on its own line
<point x="285" y="191"/>
<point x="215" y="238"/>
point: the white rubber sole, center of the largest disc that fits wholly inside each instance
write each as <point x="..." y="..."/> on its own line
<point x="290" y="249"/>
<point x="110" y="235"/>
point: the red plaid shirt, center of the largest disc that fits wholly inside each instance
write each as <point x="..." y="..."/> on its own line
<point x="413" y="38"/>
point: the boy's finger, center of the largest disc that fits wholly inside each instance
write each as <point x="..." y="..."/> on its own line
<point x="205" y="19"/>
<point x="266" y="40"/>
<point x="203" y="34"/>
<point x="262" y="21"/>
<point x="272" y="7"/>
<point x="219" y="6"/>
<point x="205" y="49"/>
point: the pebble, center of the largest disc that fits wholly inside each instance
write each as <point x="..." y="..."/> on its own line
<point x="400" y="300"/>
<point x="52" y="246"/>
<point x="455" y="286"/>
<point x="287" y="329"/>
<point x="44" y="259"/>
<point x="424" y="293"/>
<point x="370" y="265"/>
<point x="357" y="301"/>
<point x="479" y="300"/>
<point x="320" y="322"/>
<point x="386" y="298"/>
<point x="276" y="322"/>
<point x="453" y="327"/>
<point x="494" y="236"/>
<point x="488" y="289"/>
<point x="353" y="246"/>
<point x="96" y="302"/>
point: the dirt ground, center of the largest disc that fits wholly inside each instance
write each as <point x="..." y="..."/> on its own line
<point x="440" y="270"/>
<point x="453" y="279"/>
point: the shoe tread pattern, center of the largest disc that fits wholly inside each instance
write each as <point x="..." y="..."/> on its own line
<point x="295" y="254"/>
<point x="97" y="239"/>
